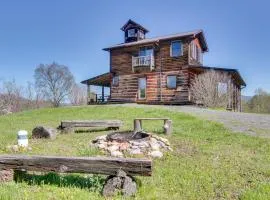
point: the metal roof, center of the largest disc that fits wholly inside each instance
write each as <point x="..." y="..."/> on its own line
<point x="131" y="22"/>
<point x="166" y="37"/>
<point x="100" y="80"/>
<point x="235" y="72"/>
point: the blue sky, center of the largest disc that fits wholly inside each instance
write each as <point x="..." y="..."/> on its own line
<point x="73" y="33"/>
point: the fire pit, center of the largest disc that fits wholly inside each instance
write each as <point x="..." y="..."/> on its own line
<point x="127" y="136"/>
<point x="118" y="144"/>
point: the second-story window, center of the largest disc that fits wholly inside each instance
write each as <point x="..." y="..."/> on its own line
<point x="176" y="49"/>
<point x="146" y="51"/>
<point x="196" y="52"/>
<point x="115" y="80"/>
<point x="131" y="33"/>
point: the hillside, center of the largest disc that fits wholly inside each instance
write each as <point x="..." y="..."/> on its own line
<point x="208" y="161"/>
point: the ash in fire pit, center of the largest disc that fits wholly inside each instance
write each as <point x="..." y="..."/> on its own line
<point x="135" y="143"/>
<point x="127" y="136"/>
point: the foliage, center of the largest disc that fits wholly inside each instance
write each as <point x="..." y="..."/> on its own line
<point x="208" y="161"/>
<point x="259" y="103"/>
<point x="55" y="81"/>
<point x="78" y="95"/>
<point x="16" y="98"/>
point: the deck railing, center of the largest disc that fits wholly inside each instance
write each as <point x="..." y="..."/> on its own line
<point x="143" y="61"/>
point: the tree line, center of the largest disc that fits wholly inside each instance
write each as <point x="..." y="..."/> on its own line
<point x="53" y="85"/>
<point x="259" y="103"/>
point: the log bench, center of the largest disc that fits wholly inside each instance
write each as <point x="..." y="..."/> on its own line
<point x="167" y="126"/>
<point x="115" y="167"/>
<point x="68" y="125"/>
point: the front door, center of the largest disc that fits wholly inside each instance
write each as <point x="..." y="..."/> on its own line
<point x="142" y="88"/>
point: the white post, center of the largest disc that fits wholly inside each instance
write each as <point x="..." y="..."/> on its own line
<point x="23" y="138"/>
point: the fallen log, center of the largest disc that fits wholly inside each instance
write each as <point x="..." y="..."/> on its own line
<point x="91" y="123"/>
<point x="90" y="165"/>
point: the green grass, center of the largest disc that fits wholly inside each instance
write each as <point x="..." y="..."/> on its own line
<point x="208" y="161"/>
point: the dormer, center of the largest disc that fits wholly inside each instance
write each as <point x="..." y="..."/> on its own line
<point x="133" y="31"/>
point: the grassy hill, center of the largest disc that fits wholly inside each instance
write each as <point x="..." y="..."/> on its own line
<point x="208" y="161"/>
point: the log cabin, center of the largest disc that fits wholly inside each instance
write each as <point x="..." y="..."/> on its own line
<point x="158" y="70"/>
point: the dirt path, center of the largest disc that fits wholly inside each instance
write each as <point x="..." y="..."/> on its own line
<point x="248" y="123"/>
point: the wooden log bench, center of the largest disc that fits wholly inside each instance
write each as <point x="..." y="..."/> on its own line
<point x="69" y="125"/>
<point x="117" y="168"/>
<point x="167" y="126"/>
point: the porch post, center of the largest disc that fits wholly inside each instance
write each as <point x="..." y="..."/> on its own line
<point x="88" y="94"/>
<point x="103" y="99"/>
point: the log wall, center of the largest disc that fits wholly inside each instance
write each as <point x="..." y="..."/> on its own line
<point x="157" y="91"/>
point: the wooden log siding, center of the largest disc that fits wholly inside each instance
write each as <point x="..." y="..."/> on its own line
<point x="90" y="165"/>
<point x="128" y="87"/>
<point x="127" y="90"/>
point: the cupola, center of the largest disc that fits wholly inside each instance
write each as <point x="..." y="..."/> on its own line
<point x="133" y="31"/>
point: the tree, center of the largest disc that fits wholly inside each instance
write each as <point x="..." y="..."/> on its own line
<point x="211" y="89"/>
<point x="78" y="95"/>
<point x="55" y="81"/>
<point x="11" y="97"/>
<point x="260" y="102"/>
<point x="34" y="97"/>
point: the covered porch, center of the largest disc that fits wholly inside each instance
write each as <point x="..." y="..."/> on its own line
<point x="103" y="81"/>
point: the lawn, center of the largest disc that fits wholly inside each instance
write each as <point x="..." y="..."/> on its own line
<point x="208" y="161"/>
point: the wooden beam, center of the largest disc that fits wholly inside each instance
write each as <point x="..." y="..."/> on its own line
<point x="91" y="165"/>
<point x="91" y="123"/>
<point x="151" y="119"/>
<point x="102" y="95"/>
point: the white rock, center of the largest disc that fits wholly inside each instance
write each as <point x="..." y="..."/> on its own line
<point x="156" y="154"/>
<point x="15" y="148"/>
<point x="134" y="143"/>
<point x="144" y="144"/>
<point x="161" y="144"/>
<point x="155" y="146"/>
<point x="135" y="151"/>
<point x="153" y="140"/>
<point x="116" y="154"/>
<point x="102" y="137"/>
<point x="102" y="146"/>
<point x="113" y="148"/>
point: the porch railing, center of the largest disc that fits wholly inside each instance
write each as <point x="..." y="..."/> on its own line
<point x="143" y="61"/>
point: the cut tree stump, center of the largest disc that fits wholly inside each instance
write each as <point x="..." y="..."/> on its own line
<point x="167" y="124"/>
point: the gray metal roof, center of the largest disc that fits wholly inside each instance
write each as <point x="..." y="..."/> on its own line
<point x="166" y="37"/>
<point x="231" y="70"/>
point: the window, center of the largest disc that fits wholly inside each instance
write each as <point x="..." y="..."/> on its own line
<point x="141" y="34"/>
<point x="196" y="52"/>
<point x="146" y="51"/>
<point x="193" y="50"/>
<point x="131" y="33"/>
<point x="176" y="49"/>
<point x="199" y="55"/>
<point x="222" y="89"/>
<point x="115" y="81"/>
<point x="171" y="81"/>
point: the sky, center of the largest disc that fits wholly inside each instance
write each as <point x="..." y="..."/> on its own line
<point x="73" y="33"/>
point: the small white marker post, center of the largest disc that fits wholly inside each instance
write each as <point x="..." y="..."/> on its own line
<point x="23" y="138"/>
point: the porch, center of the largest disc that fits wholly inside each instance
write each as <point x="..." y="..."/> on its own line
<point x="103" y="81"/>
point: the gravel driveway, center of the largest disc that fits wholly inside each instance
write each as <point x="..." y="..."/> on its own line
<point x="248" y="123"/>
